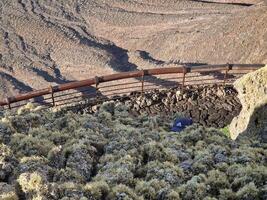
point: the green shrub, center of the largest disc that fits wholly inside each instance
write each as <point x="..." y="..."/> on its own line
<point x="8" y="162"/>
<point x="115" y="155"/>
<point x="166" y="171"/>
<point x="123" y="192"/>
<point x="8" y="192"/>
<point x="150" y="189"/>
<point x="96" y="190"/>
<point x="226" y="131"/>
<point x="5" y="133"/>
<point x="28" y="145"/>
<point x="249" y="191"/>
<point x="195" y="188"/>
<point x="216" y="181"/>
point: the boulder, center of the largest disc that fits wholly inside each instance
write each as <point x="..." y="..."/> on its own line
<point x="252" y="93"/>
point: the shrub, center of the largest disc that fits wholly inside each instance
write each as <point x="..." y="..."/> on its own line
<point x="123" y="192"/>
<point x="5" y="133"/>
<point x="28" y="145"/>
<point x="249" y="191"/>
<point x="96" y="190"/>
<point x="115" y="155"/>
<point x="226" y="131"/>
<point x="34" y="185"/>
<point x="7" y="192"/>
<point x="7" y="162"/>
<point x="150" y="189"/>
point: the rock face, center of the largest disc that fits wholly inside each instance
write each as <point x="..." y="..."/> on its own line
<point x="213" y="105"/>
<point x="252" y="92"/>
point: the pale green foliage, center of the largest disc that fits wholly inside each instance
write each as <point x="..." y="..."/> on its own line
<point x="68" y="174"/>
<point x="29" y="145"/>
<point x="96" y="190"/>
<point x="114" y="155"/>
<point x="217" y="180"/>
<point x="195" y="188"/>
<point x="166" y="171"/>
<point x="151" y="189"/>
<point x="34" y="164"/>
<point x="123" y="192"/>
<point x="26" y="109"/>
<point x="34" y="185"/>
<point x="156" y="151"/>
<point x="242" y="175"/>
<point x="117" y="171"/>
<point x="227" y="194"/>
<point x="5" y="132"/>
<point x="226" y="131"/>
<point x="7" y="192"/>
<point x="249" y="191"/>
<point x="7" y="162"/>
<point x="32" y="182"/>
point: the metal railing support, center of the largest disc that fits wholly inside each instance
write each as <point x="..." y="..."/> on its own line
<point x="228" y="68"/>
<point x="97" y="82"/>
<point x="8" y="103"/>
<point x="52" y="94"/>
<point x="184" y="73"/>
<point x="142" y="83"/>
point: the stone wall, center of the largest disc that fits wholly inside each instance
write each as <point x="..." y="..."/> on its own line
<point x="214" y="105"/>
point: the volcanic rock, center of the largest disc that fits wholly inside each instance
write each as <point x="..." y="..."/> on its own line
<point x="252" y="92"/>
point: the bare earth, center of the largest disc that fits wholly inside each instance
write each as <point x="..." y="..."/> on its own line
<point x="51" y="42"/>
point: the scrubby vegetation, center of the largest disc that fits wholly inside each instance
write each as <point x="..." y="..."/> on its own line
<point x="113" y="155"/>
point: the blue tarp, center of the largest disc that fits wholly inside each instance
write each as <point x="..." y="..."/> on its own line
<point x="180" y="123"/>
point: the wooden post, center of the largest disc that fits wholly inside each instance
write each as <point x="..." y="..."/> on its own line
<point x="52" y="95"/>
<point x="229" y="67"/>
<point x="8" y="103"/>
<point x="184" y="73"/>
<point x="97" y="85"/>
<point x="142" y="86"/>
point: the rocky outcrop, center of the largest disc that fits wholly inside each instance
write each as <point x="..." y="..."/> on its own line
<point x="211" y="105"/>
<point x="252" y="92"/>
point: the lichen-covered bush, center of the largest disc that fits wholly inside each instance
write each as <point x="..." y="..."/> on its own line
<point x="7" y="192"/>
<point x="5" y="133"/>
<point x="7" y="163"/>
<point x="115" y="155"/>
<point x="34" y="185"/>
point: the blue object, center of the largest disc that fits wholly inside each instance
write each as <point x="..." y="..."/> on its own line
<point x="180" y="123"/>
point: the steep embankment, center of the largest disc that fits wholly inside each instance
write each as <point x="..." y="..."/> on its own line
<point x="49" y="42"/>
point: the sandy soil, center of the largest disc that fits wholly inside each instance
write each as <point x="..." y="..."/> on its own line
<point x="51" y="42"/>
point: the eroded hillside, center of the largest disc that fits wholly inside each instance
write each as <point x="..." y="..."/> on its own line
<point x="113" y="155"/>
<point x="52" y="42"/>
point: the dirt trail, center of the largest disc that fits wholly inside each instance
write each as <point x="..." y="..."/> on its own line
<point x="52" y="42"/>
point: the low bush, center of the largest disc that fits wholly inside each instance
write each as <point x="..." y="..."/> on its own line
<point x="115" y="155"/>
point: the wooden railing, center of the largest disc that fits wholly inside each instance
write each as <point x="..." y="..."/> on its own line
<point x="116" y="85"/>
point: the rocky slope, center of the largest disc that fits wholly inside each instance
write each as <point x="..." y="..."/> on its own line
<point x="52" y="42"/>
<point x="212" y="106"/>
